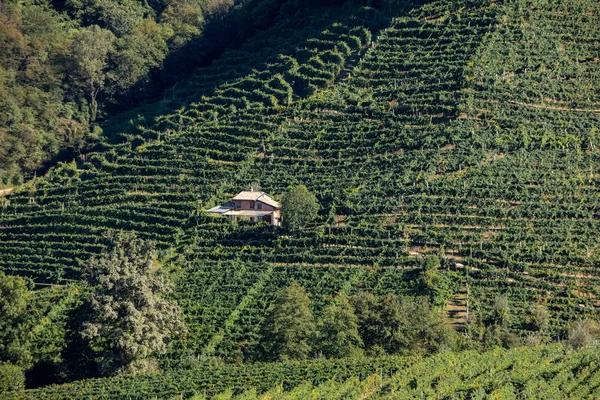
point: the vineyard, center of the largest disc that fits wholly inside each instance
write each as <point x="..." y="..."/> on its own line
<point x="466" y="129"/>
<point x="547" y="372"/>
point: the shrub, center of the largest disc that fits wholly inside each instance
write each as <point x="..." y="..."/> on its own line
<point x="11" y="378"/>
<point x="581" y="334"/>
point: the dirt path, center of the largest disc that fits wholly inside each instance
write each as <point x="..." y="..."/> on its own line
<point x="4" y="192"/>
<point x="551" y="107"/>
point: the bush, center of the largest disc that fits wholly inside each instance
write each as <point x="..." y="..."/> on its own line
<point x="581" y="333"/>
<point x="501" y="312"/>
<point x="11" y="378"/>
<point x="540" y="317"/>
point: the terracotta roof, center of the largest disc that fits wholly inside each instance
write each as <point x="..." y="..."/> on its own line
<point x="248" y="195"/>
<point x="269" y="201"/>
<point x="257" y="196"/>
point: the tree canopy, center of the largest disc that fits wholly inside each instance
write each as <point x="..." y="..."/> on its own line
<point x="400" y="326"/>
<point x="14" y="299"/>
<point x="338" y="330"/>
<point x="289" y="326"/>
<point x="130" y="318"/>
<point x="68" y="66"/>
<point x="299" y="207"/>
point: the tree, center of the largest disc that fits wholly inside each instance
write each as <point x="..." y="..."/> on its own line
<point x="540" y="317"/>
<point x="14" y="298"/>
<point x="582" y="332"/>
<point x="129" y="318"/>
<point x="432" y="283"/>
<point x="427" y="327"/>
<point x="32" y="330"/>
<point x="501" y="312"/>
<point x="338" y="330"/>
<point x="367" y="311"/>
<point x="90" y="50"/>
<point x="401" y="326"/>
<point x="299" y="207"/>
<point x="289" y="325"/>
<point x="185" y="17"/>
<point x="136" y="54"/>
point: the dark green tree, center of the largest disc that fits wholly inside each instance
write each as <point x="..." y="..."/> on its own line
<point x="401" y="326"/>
<point x="425" y="327"/>
<point x="136" y="54"/>
<point x="14" y="298"/>
<point x="394" y="336"/>
<point x="299" y="207"/>
<point x="367" y="311"/>
<point x="129" y="318"/>
<point x="337" y="330"/>
<point x="289" y="326"/>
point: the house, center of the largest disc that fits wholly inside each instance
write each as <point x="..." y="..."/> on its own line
<point x="252" y="206"/>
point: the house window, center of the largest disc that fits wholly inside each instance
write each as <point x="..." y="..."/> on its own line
<point x="252" y="204"/>
<point x="259" y="206"/>
<point x="238" y="204"/>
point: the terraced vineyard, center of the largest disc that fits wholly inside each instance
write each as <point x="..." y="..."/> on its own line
<point x="157" y="182"/>
<point x="464" y="128"/>
<point x="541" y="373"/>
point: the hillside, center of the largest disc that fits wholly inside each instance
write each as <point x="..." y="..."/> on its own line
<point x="464" y="129"/>
<point x="541" y="373"/>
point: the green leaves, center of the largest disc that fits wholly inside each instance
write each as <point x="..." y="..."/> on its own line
<point x="129" y="319"/>
<point x="337" y="330"/>
<point x="12" y="378"/>
<point x="15" y="321"/>
<point x="298" y="207"/>
<point x="289" y="325"/>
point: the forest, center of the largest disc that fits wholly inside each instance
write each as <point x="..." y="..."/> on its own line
<point x="67" y="66"/>
<point x="448" y="155"/>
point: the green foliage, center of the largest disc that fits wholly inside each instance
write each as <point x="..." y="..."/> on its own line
<point x="401" y="326"/>
<point x="369" y="311"/>
<point x="337" y="330"/>
<point x="540" y="316"/>
<point x="129" y="320"/>
<point x="68" y="65"/>
<point x="14" y="299"/>
<point x="90" y="50"/>
<point x="137" y="54"/>
<point x="33" y="332"/>
<point x="468" y="130"/>
<point x="34" y="111"/>
<point x="57" y="73"/>
<point x="244" y="379"/>
<point x="501" y="312"/>
<point x="12" y="378"/>
<point x="289" y="326"/>
<point x="298" y="207"/>
<point x="432" y="282"/>
<point x="539" y="372"/>
<point x="582" y="333"/>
